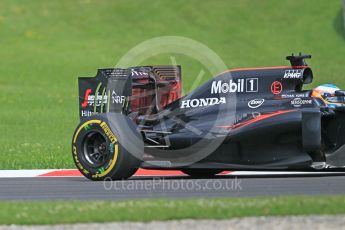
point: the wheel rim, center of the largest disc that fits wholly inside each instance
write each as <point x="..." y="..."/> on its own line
<point x="95" y="149"/>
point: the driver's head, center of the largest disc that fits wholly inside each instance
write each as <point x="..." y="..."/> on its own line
<point x="326" y="93"/>
<point x="326" y="90"/>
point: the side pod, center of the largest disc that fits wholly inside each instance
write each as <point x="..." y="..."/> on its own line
<point x="311" y="129"/>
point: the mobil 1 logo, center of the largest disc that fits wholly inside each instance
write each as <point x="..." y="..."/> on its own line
<point x="248" y="85"/>
<point x="251" y="85"/>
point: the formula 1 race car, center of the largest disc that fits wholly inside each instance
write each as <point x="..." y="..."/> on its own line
<point x="243" y="119"/>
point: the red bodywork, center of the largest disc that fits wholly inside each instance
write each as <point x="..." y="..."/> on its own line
<point x="165" y="84"/>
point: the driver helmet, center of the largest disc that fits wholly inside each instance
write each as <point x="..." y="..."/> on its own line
<point x="326" y="93"/>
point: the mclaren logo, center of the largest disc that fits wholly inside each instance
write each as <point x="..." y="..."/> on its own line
<point x="255" y="103"/>
<point x="202" y="102"/>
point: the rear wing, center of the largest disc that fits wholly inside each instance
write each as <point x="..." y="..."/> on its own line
<point x="142" y="89"/>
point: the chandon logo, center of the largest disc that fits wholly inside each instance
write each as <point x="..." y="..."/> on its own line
<point x="255" y="103"/>
<point x="201" y="102"/>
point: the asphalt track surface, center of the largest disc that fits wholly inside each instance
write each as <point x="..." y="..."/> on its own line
<point x="61" y="188"/>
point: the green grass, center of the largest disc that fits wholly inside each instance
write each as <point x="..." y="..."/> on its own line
<point x="59" y="212"/>
<point x="46" y="45"/>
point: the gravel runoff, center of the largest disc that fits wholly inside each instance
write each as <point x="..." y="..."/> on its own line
<point x="266" y="223"/>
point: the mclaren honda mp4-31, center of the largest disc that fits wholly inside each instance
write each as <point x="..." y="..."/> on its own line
<point x="242" y="119"/>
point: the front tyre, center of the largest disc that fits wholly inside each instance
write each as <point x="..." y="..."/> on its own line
<point x="107" y="146"/>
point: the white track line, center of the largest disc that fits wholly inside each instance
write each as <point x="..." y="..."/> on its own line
<point x="23" y="173"/>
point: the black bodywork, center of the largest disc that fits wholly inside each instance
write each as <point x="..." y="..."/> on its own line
<point x="256" y="118"/>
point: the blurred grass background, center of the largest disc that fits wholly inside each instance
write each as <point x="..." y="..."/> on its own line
<point x="46" y="45"/>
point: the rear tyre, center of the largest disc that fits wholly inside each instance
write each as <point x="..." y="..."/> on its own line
<point x="107" y="146"/>
<point x="201" y="172"/>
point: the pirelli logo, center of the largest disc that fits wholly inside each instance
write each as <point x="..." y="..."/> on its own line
<point x="108" y="132"/>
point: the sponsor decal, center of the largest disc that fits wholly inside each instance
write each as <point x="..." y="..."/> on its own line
<point x="276" y="87"/>
<point x="108" y="132"/>
<point x="117" y="99"/>
<point x="86" y="98"/>
<point x="138" y="73"/>
<point x="202" y="102"/>
<point x="249" y="85"/>
<point x="293" y="74"/>
<point x="292" y="95"/>
<point x="252" y="85"/>
<point x="255" y="103"/>
<point x="93" y="100"/>
<point x="87" y="113"/>
<point x="298" y="102"/>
